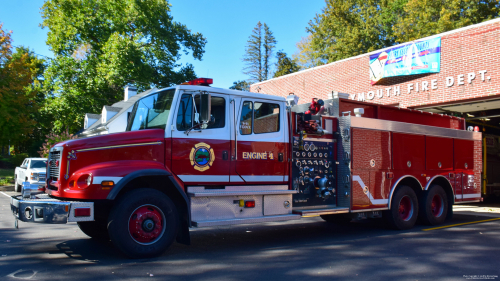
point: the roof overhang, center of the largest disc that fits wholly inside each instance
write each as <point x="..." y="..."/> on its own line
<point x="463" y="106"/>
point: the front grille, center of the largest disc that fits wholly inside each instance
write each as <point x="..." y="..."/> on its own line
<point x="54" y="164"/>
<point x="41" y="177"/>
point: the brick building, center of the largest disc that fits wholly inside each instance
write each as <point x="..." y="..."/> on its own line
<point x="467" y="84"/>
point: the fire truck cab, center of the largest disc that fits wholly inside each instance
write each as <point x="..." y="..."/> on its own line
<point x="197" y="156"/>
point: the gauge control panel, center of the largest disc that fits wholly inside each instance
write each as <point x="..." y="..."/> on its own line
<point x="313" y="172"/>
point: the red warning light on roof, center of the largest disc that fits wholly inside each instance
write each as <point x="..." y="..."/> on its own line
<point x="201" y="81"/>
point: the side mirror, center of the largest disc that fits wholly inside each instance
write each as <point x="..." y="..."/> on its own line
<point x="205" y="107"/>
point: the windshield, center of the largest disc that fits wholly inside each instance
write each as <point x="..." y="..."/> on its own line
<point x="38" y="163"/>
<point x="151" y="112"/>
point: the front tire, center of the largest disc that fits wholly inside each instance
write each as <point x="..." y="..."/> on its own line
<point x="434" y="206"/>
<point x="404" y="209"/>
<point x="143" y="223"/>
<point x="97" y="229"/>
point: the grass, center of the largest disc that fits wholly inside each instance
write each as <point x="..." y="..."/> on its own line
<point x="7" y="172"/>
<point x="7" y="176"/>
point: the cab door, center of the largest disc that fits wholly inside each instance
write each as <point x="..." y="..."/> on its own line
<point x="200" y="155"/>
<point x="261" y="144"/>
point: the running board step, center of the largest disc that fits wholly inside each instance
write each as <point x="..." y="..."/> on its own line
<point x="317" y="212"/>
<point x="245" y="220"/>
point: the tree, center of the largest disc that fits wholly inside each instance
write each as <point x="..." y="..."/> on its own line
<point x="347" y="28"/>
<point x="101" y="46"/>
<point x="240" y="85"/>
<point x="258" y="53"/>
<point x="43" y="120"/>
<point x="52" y="139"/>
<point x="427" y="17"/>
<point x="285" y="65"/>
<point x="269" y="45"/>
<point x="19" y="85"/>
<point x="305" y="56"/>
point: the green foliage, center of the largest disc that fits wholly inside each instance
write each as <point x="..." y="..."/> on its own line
<point x="52" y="139"/>
<point x="258" y="53"/>
<point x="240" y="85"/>
<point x="305" y="56"/>
<point x="269" y="45"/>
<point x="18" y="159"/>
<point x="347" y="28"/>
<point x="20" y="84"/>
<point x="101" y="46"/>
<point x="427" y="17"/>
<point x="285" y="65"/>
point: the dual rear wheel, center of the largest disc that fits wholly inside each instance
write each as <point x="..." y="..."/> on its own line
<point x="431" y="209"/>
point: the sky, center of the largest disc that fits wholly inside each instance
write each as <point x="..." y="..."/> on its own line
<point x="226" y="24"/>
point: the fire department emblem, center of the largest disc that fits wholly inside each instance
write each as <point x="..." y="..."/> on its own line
<point x="202" y="157"/>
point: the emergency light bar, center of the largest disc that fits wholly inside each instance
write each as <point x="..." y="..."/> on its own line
<point x="200" y="82"/>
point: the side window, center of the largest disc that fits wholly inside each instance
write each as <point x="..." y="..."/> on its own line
<point x="185" y="113"/>
<point x="246" y="121"/>
<point x="218" y="110"/>
<point x="266" y="118"/>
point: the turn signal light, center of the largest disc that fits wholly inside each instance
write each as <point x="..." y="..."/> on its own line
<point x="107" y="184"/>
<point x="82" y="212"/>
<point x="250" y="204"/>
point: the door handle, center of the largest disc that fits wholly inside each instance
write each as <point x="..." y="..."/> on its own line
<point x="224" y="155"/>
<point x="280" y="157"/>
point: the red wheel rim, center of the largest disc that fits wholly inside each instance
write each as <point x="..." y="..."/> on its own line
<point x="146" y="224"/>
<point x="437" y="206"/>
<point x="405" y="208"/>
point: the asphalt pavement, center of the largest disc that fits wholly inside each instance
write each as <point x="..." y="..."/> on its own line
<point x="466" y="248"/>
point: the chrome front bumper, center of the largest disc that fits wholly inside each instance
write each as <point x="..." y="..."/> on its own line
<point x="43" y="209"/>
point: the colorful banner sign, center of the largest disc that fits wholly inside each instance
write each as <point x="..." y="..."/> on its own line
<point x="413" y="58"/>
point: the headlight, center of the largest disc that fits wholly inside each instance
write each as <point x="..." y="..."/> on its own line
<point x="84" y="181"/>
<point x="34" y="176"/>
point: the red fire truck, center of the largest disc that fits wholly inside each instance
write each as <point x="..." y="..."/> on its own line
<point x="197" y="156"/>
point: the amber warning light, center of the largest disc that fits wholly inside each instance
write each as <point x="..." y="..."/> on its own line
<point x="200" y="82"/>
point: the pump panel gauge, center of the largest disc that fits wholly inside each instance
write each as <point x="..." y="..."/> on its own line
<point x="315" y="174"/>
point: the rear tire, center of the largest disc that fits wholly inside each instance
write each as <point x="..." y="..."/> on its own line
<point x="404" y="209"/>
<point x="95" y="229"/>
<point x="342" y="219"/>
<point x="434" y="206"/>
<point x="143" y="223"/>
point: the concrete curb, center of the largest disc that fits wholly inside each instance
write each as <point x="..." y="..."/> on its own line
<point x="7" y="188"/>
